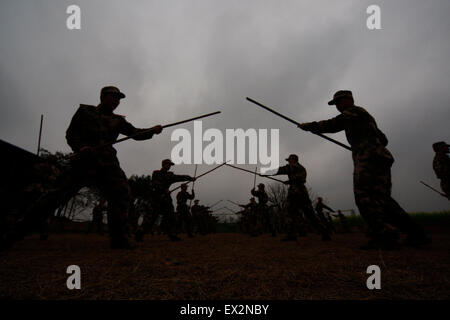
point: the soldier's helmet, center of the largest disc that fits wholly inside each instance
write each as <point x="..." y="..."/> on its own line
<point x="292" y="156"/>
<point x="168" y="161"/>
<point x="184" y="186"/>
<point x="112" y="89"/>
<point x="438" y="145"/>
<point x="261" y="185"/>
<point x="340" y="94"/>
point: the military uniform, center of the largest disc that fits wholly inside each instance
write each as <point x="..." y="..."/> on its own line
<point x="441" y="166"/>
<point x="298" y="200"/>
<point x="97" y="219"/>
<point x="93" y="126"/>
<point x="262" y="223"/>
<point x="162" y="202"/>
<point x="372" y="172"/>
<point x="326" y="220"/>
<point x="249" y="216"/>
<point x="183" y="210"/>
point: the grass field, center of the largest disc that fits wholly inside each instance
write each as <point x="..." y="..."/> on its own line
<point x="227" y="266"/>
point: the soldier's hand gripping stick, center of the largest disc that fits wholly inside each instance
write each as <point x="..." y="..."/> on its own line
<point x="215" y="168"/>
<point x="298" y="124"/>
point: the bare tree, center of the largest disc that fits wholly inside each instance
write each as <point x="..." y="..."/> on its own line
<point x="277" y="193"/>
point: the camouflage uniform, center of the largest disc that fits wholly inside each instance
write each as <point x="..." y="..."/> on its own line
<point x="326" y="220"/>
<point x="372" y="172"/>
<point x="183" y="210"/>
<point x="92" y="126"/>
<point x="441" y="166"/>
<point x="298" y="200"/>
<point x="249" y="216"/>
<point x="97" y="219"/>
<point x="261" y="222"/>
<point x="162" y="202"/>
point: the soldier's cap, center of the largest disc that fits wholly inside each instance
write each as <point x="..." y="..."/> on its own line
<point x="167" y="161"/>
<point x="340" y="94"/>
<point x="261" y="185"/>
<point x="292" y="156"/>
<point x="112" y="89"/>
<point x="439" y="144"/>
<point x="184" y="185"/>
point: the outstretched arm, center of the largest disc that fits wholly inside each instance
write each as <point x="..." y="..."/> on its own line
<point x="139" y="134"/>
<point x="333" y="125"/>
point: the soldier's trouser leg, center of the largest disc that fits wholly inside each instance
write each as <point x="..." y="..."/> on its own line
<point x="371" y="185"/>
<point x="373" y="194"/>
<point x="114" y="185"/>
<point x="308" y="211"/>
<point x="294" y="221"/>
<point x="168" y="222"/>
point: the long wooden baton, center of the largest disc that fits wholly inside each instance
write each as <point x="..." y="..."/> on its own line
<point x="297" y="123"/>
<point x="215" y="204"/>
<point x="254" y="173"/>
<point x="233" y="203"/>
<point x="442" y="194"/>
<point x="164" y="126"/>
<point x="215" y="168"/>
<point x="254" y="179"/>
<point x="193" y="184"/>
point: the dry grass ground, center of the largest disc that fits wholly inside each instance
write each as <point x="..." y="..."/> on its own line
<point x="223" y="266"/>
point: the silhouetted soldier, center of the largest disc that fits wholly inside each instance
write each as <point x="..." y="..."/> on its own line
<point x="372" y="173"/>
<point x="298" y="200"/>
<point x="249" y="216"/>
<point x="326" y="220"/>
<point x="441" y="165"/>
<point x="261" y="216"/>
<point x="91" y="127"/>
<point x="343" y="221"/>
<point x="97" y="217"/>
<point x="183" y="209"/>
<point x="162" y="202"/>
<point x="148" y="221"/>
<point x="201" y="216"/>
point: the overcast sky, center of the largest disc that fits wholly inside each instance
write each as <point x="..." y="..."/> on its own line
<point x="178" y="59"/>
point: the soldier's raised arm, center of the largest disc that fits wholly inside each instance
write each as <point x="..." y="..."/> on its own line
<point x="332" y="125"/>
<point x="179" y="178"/>
<point x="128" y="129"/>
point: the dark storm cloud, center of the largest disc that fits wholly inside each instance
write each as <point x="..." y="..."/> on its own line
<point x="178" y="59"/>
